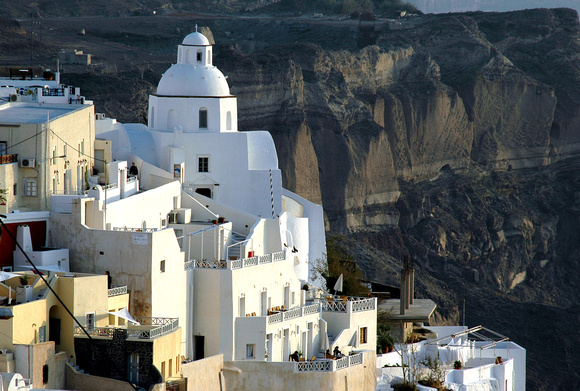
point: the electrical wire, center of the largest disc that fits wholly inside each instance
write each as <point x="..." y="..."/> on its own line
<point x="3" y="225"/>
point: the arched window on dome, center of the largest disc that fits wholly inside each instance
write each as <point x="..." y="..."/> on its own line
<point x="203" y="118"/>
<point x="199" y="56"/>
<point x="229" y="120"/>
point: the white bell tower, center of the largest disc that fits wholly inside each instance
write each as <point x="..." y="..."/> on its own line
<point x="193" y="94"/>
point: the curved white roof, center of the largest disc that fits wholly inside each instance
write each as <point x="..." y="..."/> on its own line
<point x="195" y="38"/>
<point x="190" y="80"/>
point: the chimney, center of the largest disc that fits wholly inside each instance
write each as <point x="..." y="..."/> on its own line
<point x="407" y="285"/>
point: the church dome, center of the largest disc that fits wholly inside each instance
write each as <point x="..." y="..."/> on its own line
<point x="196" y="39"/>
<point x="191" y="80"/>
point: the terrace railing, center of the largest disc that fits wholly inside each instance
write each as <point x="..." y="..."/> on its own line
<point x="329" y="365"/>
<point x="293" y="313"/>
<point x="352" y="304"/>
<point x="239" y="263"/>
<point x="117" y="290"/>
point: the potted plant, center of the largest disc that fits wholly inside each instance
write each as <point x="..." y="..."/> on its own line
<point x="24" y="279"/>
<point x="457" y="365"/>
<point x="221" y="220"/>
<point x="214" y="221"/>
<point x="498" y="360"/>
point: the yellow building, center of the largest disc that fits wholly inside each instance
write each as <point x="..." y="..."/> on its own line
<point x="44" y="149"/>
<point x="39" y="335"/>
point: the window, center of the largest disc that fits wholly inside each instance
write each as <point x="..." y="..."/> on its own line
<point x="90" y="321"/>
<point x="250" y="350"/>
<point x="229" y="120"/>
<point x="162" y="266"/>
<point x="363" y="335"/>
<point x="3" y="147"/>
<point x="30" y="188"/>
<point x="203" y="164"/>
<point x="44" y="374"/>
<point x="199" y="56"/>
<point x="42" y="334"/>
<point x="15" y="187"/>
<point x="203" y="118"/>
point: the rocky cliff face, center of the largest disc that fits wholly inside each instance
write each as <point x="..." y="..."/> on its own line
<point x="454" y="140"/>
<point x="447" y="91"/>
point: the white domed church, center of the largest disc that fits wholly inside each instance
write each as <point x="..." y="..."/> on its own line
<point x="192" y="136"/>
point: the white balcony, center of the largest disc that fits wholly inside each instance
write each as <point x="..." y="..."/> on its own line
<point x="329" y="365"/>
<point x="148" y="329"/>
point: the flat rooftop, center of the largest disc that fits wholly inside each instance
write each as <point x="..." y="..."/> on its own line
<point x="34" y="113"/>
<point x="419" y="312"/>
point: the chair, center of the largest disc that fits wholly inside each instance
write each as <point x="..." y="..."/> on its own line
<point x="283" y="308"/>
<point x="313" y="358"/>
<point x="247" y="314"/>
<point x="253" y="314"/>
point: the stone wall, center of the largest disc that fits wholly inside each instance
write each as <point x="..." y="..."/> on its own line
<point x="280" y="376"/>
<point x="109" y="357"/>
<point x="205" y="374"/>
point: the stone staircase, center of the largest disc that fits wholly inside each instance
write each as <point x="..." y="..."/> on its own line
<point x="235" y="251"/>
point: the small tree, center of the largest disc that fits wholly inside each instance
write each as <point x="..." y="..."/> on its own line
<point x="339" y="261"/>
<point x="435" y="373"/>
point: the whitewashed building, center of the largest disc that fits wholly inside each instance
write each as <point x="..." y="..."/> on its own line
<point x="246" y="244"/>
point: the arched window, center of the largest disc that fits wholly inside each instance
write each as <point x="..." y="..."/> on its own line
<point x="151" y="120"/>
<point x="209" y="56"/>
<point x="199" y="56"/>
<point x="203" y="118"/>
<point x="229" y="120"/>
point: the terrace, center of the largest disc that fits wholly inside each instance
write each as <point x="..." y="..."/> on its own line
<point x="148" y="329"/>
<point x="236" y="263"/>
<point x="329" y="365"/>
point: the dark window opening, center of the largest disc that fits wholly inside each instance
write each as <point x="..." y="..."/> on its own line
<point x="44" y="374"/>
<point x="199" y="56"/>
<point x="203" y="164"/>
<point x="204" y="191"/>
<point x="203" y="119"/>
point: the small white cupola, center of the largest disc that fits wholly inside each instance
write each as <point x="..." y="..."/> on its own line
<point x="195" y="50"/>
<point x="193" y="94"/>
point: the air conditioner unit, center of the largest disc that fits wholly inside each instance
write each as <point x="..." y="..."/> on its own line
<point x="14" y="97"/>
<point x="28" y="163"/>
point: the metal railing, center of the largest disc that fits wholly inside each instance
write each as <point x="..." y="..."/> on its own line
<point x="238" y="263"/>
<point x="117" y="290"/>
<point x="144" y="331"/>
<point x="127" y="229"/>
<point x="7" y="159"/>
<point x="213" y="264"/>
<point x="329" y="365"/>
<point x="352" y="304"/>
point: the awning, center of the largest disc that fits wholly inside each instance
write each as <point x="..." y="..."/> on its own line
<point x="124" y="313"/>
<point x="7" y="275"/>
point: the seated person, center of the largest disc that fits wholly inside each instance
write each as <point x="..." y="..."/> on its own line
<point x="294" y="356"/>
<point x="337" y="352"/>
<point x="328" y="354"/>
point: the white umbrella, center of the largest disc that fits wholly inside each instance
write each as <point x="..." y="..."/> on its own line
<point x="124" y="313"/>
<point x="354" y="340"/>
<point x="325" y="345"/>
<point x="339" y="283"/>
<point x="48" y="268"/>
<point x="7" y="275"/>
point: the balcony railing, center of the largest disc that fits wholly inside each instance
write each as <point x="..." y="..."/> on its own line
<point x="294" y="313"/>
<point x="352" y="304"/>
<point x="117" y="290"/>
<point x="7" y="159"/>
<point x="149" y="328"/>
<point x="238" y="263"/>
<point x="329" y="365"/>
